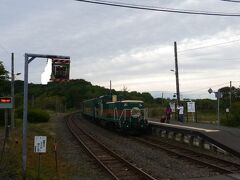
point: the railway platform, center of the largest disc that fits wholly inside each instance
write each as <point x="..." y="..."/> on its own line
<point x="220" y="177"/>
<point x="226" y="138"/>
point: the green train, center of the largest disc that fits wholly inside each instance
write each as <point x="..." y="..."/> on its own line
<point x="124" y="115"/>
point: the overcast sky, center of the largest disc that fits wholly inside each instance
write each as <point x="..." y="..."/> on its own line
<point x="132" y="48"/>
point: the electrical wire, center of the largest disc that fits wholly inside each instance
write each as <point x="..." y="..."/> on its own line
<point x="233" y="1"/>
<point x="197" y="90"/>
<point x="155" y="8"/>
<point x="209" y="46"/>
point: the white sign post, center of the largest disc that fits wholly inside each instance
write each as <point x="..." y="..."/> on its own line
<point x="191" y="108"/>
<point x="172" y="106"/>
<point x="40" y="144"/>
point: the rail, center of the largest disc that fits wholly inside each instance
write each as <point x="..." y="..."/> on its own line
<point x="116" y="166"/>
<point x="220" y="165"/>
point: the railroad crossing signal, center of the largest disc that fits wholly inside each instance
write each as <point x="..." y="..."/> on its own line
<point x="6" y="103"/>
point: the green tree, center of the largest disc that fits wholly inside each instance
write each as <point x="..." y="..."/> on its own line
<point x="3" y="72"/>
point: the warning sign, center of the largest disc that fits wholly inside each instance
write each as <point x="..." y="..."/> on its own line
<point x="40" y="144"/>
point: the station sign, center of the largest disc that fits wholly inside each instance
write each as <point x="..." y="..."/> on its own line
<point x="191" y="106"/>
<point x="172" y="106"/>
<point x="60" y="70"/>
<point x="6" y="103"/>
<point x="40" y="144"/>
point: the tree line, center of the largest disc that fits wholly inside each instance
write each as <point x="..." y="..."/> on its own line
<point x="69" y="95"/>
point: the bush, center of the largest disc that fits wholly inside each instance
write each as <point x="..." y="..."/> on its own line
<point x="234" y="116"/>
<point x="1" y="117"/>
<point x="155" y="112"/>
<point x="38" y="115"/>
<point x="34" y="115"/>
<point x="19" y="113"/>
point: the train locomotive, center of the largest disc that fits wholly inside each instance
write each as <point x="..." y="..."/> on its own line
<point x="124" y="115"/>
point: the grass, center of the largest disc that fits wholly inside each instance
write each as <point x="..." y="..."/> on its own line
<point x="13" y="153"/>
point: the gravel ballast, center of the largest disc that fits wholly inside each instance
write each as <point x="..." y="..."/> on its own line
<point x="157" y="163"/>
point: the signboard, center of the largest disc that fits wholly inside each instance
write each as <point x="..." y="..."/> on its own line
<point x="172" y="105"/>
<point x="114" y="98"/>
<point x="191" y="106"/>
<point x="6" y="103"/>
<point x="40" y="144"/>
<point x="60" y="70"/>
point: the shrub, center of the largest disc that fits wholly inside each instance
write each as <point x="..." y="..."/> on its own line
<point x="34" y="115"/>
<point x="155" y="112"/>
<point x="19" y="112"/>
<point x="234" y="116"/>
<point x="1" y="117"/>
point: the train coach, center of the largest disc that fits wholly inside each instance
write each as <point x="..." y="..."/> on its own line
<point x="125" y="115"/>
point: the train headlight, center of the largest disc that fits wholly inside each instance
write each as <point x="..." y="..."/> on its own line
<point x="135" y="112"/>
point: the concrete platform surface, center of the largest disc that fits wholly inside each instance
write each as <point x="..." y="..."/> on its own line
<point x="229" y="137"/>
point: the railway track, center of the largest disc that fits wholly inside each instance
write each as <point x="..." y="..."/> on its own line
<point x="116" y="166"/>
<point x="219" y="165"/>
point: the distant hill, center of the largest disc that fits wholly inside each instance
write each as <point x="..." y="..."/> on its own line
<point x="69" y="94"/>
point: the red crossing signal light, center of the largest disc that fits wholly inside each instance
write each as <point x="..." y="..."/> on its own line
<point x="5" y="100"/>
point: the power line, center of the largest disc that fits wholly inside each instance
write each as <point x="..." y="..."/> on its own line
<point x="197" y="90"/>
<point x="4" y="49"/>
<point x="209" y="46"/>
<point x="210" y="59"/>
<point x="155" y="8"/>
<point x="234" y="1"/>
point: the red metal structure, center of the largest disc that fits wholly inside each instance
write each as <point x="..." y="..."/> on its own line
<point x="60" y="70"/>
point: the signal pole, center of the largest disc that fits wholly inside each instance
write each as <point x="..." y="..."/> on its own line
<point x="28" y="59"/>
<point x="230" y="96"/>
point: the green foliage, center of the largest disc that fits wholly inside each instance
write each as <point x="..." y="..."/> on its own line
<point x="19" y="112"/>
<point x="69" y="95"/>
<point x="3" y="72"/>
<point x="233" y="119"/>
<point x="34" y="115"/>
<point x="1" y="117"/>
<point x="206" y="105"/>
<point x="156" y="112"/>
<point x="38" y="115"/>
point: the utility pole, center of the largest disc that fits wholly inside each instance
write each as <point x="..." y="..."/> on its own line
<point x="110" y="87"/>
<point x="162" y="98"/>
<point x="12" y="94"/>
<point x="176" y="73"/>
<point x="230" y="96"/>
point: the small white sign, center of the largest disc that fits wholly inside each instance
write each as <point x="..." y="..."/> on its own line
<point x="172" y="106"/>
<point x="191" y="106"/>
<point x="40" y="144"/>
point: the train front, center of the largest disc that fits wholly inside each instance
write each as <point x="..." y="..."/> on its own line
<point x="135" y="116"/>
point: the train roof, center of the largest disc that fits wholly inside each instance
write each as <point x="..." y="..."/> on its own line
<point x="126" y="101"/>
<point x="136" y="101"/>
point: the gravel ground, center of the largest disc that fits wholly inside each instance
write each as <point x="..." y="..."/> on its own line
<point x="73" y="157"/>
<point x="158" y="163"/>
